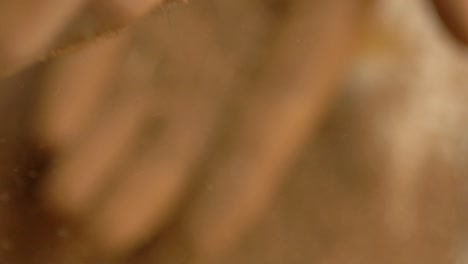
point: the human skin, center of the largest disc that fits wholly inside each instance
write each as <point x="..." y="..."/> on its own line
<point x="454" y="15"/>
<point x="56" y="25"/>
<point x="32" y="30"/>
<point x="196" y="89"/>
<point x="285" y="134"/>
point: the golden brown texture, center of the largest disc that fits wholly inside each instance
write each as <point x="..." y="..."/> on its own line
<point x="453" y="13"/>
<point x="243" y="132"/>
<point x="35" y="30"/>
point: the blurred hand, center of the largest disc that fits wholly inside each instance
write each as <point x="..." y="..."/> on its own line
<point x="32" y="29"/>
<point x="123" y="176"/>
<point x="128" y="149"/>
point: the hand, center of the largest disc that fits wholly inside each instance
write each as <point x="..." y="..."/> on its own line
<point x="193" y="88"/>
<point x="124" y="190"/>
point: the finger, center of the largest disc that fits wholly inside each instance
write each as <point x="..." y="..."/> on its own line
<point x="86" y="169"/>
<point x="78" y="178"/>
<point x="298" y="84"/>
<point x="454" y="14"/>
<point x="145" y="198"/>
<point x="98" y="149"/>
<point x="27" y="29"/>
<point x="141" y="202"/>
<point x="74" y="88"/>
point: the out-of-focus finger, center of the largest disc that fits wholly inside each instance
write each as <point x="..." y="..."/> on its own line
<point x="28" y="28"/>
<point x="74" y="87"/>
<point x="86" y="168"/>
<point x="141" y="202"/>
<point x="454" y="14"/>
<point x="298" y="84"/>
<point x="78" y="178"/>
